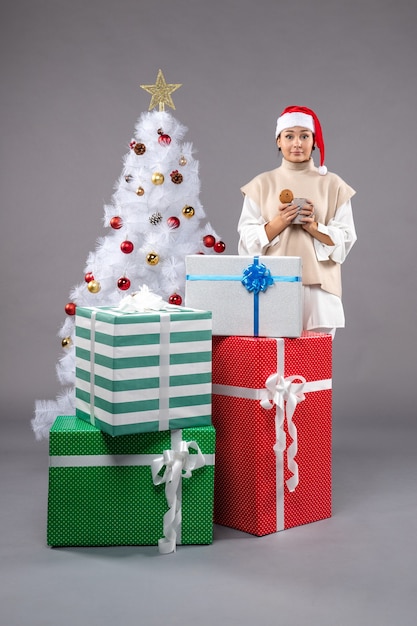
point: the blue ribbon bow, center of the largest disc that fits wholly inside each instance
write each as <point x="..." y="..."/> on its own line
<point x="257" y="277"/>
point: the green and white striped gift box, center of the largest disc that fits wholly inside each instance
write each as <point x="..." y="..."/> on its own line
<point x="143" y="372"/>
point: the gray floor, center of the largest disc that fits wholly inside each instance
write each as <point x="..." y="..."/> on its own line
<point x="360" y="567"/>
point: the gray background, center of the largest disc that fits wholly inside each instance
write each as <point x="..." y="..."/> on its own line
<point x="70" y="97"/>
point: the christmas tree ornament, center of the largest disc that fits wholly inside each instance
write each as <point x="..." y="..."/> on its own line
<point x="188" y="211"/>
<point x="66" y="342"/>
<point x="175" y="299"/>
<point x="152" y="258"/>
<point x="123" y="283"/>
<point x="182" y="161"/>
<point x="219" y="247"/>
<point x="157" y="178"/>
<point x="140" y="191"/>
<point x="139" y="149"/>
<point x="163" y="139"/>
<point x="70" y="308"/>
<point x="176" y="177"/>
<point x="173" y="222"/>
<point x="88" y="277"/>
<point x="209" y="241"/>
<point x="93" y="286"/>
<point x="132" y="144"/>
<point x="128" y="178"/>
<point x="161" y="92"/>
<point x="126" y="247"/>
<point x="116" y="222"/>
<point x="155" y="218"/>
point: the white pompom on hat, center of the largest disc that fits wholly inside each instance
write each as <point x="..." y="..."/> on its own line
<point x="302" y="116"/>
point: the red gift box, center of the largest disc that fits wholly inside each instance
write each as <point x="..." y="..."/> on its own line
<point x="272" y="411"/>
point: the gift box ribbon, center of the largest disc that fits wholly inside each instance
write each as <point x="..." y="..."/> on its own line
<point x="284" y="394"/>
<point x="256" y="278"/>
<point x="178" y="463"/>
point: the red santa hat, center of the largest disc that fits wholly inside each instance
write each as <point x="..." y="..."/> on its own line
<point x="302" y="116"/>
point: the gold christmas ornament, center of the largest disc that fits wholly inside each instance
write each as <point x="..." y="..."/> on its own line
<point x="182" y="161"/>
<point x="93" y="286"/>
<point x="161" y="92"/>
<point x="140" y="191"/>
<point x="66" y="342"/>
<point x="157" y="178"/>
<point x="152" y="258"/>
<point x="188" y="211"/>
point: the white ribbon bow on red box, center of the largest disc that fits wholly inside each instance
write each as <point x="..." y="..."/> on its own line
<point x="285" y="394"/>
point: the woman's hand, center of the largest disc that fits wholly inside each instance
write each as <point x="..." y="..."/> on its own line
<point x="307" y="218"/>
<point x="285" y="214"/>
<point x="310" y="224"/>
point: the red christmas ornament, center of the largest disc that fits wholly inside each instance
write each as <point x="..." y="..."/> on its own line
<point x="116" y="222"/>
<point x="164" y="140"/>
<point x="209" y="241"/>
<point x="126" y="247"/>
<point x="219" y="247"/>
<point x="123" y="283"/>
<point x="176" y="299"/>
<point x="173" y="222"/>
<point x="70" y="308"/>
<point x="89" y="277"/>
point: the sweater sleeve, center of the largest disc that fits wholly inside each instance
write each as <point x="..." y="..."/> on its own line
<point x="251" y="228"/>
<point x="341" y="230"/>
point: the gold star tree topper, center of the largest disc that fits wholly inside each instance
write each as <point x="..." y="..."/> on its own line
<point x="161" y="92"/>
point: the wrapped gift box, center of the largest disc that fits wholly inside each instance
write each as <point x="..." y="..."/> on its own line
<point x="102" y="491"/>
<point x="143" y="372"/>
<point x="272" y="410"/>
<point x="249" y="296"/>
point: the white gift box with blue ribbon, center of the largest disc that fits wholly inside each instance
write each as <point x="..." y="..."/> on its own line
<point x="258" y="296"/>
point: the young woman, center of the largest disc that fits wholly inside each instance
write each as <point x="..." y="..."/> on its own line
<point x="325" y="232"/>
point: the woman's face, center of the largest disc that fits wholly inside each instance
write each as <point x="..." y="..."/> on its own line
<point x="296" y="144"/>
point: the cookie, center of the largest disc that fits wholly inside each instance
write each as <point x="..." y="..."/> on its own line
<point x="286" y="195"/>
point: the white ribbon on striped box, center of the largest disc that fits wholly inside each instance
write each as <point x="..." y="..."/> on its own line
<point x="283" y="393"/>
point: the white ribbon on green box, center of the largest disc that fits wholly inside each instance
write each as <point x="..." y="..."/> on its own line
<point x="142" y="372"/>
<point x="177" y="463"/>
<point x="284" y="394"/>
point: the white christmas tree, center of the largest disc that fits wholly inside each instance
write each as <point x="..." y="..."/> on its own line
<point x="155" y="220"/>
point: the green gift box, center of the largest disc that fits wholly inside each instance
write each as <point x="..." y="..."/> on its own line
<point x="143" y="372"/>
<point x="107" y="491"/>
